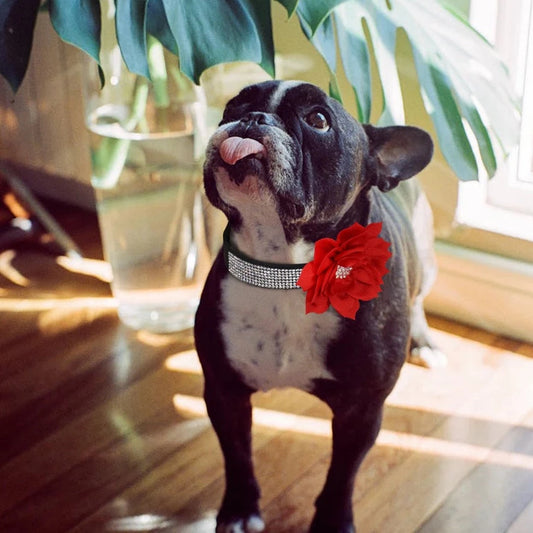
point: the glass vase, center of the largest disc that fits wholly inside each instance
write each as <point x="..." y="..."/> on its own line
<point x="147" y="144"/>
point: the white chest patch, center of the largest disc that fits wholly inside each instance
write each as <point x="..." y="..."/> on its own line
<point x="270" y="340"/>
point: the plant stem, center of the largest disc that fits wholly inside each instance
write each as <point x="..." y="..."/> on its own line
<point x="158" y="72"/>
<point x="109" y="158"/>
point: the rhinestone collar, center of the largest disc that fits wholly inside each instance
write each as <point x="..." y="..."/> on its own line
<point x="259" y="273"/>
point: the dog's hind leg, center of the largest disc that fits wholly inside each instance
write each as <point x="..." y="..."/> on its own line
<point x="230" y="412"/>
<point x="422" y="350"/>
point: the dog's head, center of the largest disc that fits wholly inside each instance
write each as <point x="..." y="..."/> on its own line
<point x="286" y="149"/>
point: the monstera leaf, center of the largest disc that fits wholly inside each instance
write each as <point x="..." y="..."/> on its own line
<point x="464" y="86"/>
<point x="461" y="78"/>
<point x="17" y="20"/>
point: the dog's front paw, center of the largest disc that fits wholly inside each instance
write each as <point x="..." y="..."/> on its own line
<point x="250" y="524"/>
<point x="428" y="357"/>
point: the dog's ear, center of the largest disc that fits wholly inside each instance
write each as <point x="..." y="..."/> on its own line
<point x="399" y="152"/>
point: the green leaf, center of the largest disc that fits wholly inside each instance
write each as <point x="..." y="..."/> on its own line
<point x="78" y="23"/>
<point x="198" y="26"/>
<point x="445" y="114"/>
<point x="315" y="12"/>
<point x="17" y="22"/>
<point x="461" y="77"/>
<point x="383" y="30"/>
<point x="260" y="10"/>
<point x="324" y="42"/>
<point x="290" y="5"/>
<point x="323" y="39"/>
<point x="157" y="25"/>
<point x="334" y="90"/>
<point x="355" y="56"/>
<point x="473" y="73"/>
<point x="482" y="137"/>
<point x="130" y="22"/>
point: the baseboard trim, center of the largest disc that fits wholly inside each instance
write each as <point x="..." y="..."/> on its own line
<point x="484" y="290"/>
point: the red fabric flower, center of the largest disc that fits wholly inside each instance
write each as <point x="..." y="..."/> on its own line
<point x="346" y="270"/>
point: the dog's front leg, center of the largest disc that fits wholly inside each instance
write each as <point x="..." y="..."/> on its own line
<point x="355" y="428"/>
<point x="230" y="412"/>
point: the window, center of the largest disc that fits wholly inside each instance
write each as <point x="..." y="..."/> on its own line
<point x="504" y="204"/>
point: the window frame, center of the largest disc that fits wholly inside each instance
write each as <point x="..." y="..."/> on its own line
<point x="504" y="204"/>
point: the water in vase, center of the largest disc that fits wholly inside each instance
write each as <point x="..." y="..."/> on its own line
<point x="148" y="188"/>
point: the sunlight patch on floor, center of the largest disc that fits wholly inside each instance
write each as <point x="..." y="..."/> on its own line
<point x="9" y="271"/>
<point x="25" y="305"/>
<point x="62" y="319"/>
<point x="403" y="396"/>
<point x="406" y="441"/>
<point x="455" y="450"/>
<point x="142" y="522"/>
<point x="153" y="522"/>
<point x="88" y="267"/>
<point x="186" y="362"/>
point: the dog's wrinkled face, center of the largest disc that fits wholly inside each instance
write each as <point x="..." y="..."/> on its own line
<point x="287" y="150"/>
<point x="286" y="144"/>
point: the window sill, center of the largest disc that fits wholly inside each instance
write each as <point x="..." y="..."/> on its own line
<point x="484" y="290"/>
<point x="474" y="210"/>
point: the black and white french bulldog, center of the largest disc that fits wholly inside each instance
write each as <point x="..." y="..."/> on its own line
<point x="298" y="168"/>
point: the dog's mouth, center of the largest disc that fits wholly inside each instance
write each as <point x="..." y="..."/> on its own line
<point x="234" y="149"/>
<point x="243" y="156"/>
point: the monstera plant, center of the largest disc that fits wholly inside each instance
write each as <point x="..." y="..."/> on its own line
<point x="464" y="85"/>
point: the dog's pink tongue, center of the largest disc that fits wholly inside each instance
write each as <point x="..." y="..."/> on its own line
<point x="234" y="149"/>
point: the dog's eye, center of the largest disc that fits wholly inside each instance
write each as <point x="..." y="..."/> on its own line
<point x="317" y="120"/>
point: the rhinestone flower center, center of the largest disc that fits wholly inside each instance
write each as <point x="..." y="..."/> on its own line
<point x="342" y="272"/>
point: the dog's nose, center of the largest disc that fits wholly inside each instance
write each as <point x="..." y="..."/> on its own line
<point x="256" y="117"/>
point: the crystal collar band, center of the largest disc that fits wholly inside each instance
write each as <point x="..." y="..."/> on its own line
<point x="259" y="273"/>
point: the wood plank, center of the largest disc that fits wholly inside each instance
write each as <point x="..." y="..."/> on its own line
<point x="523" y="523"/>
<point x="494" y="494"/>
<point x="281" y="511"/>
<point x="89" y="434"/>
<point x="128" y="360"/>
<point x="100" y="477"/>
<point x="178" y="478"/>
<point x="190" y="482"/>
<point x="34" y="370"/>
<point x="467" y="436"/>
<point x="45" y="300"/>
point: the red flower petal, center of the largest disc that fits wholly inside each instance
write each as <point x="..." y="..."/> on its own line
<point x="307" y="278"/>
<point x="350" y="232"/>
<point x="364" y="276"/>
<point x="316" y="302"/>
<point x="322" y="248"/>
<point x="364" y="292"/>
<point x="345" y="305"/>
<point x="357" y="248"/>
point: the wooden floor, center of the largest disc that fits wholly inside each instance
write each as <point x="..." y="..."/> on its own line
<point x="103" y="429"/>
